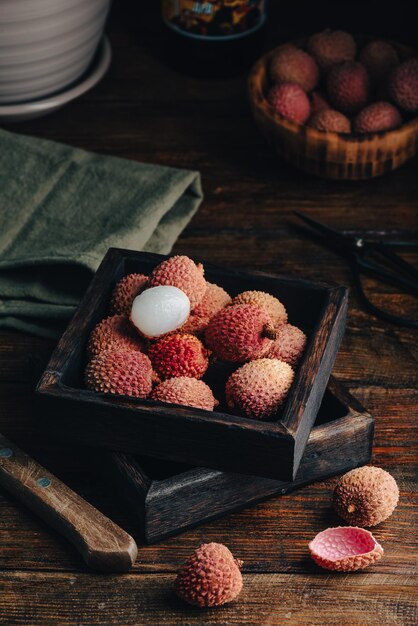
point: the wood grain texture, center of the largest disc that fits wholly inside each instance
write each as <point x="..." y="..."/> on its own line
<point x="103" y="545"/>
<point x="217" y="439"/>
<point x="168" y="498"/>
<point x="270" y="599"/>
<point x="146" y="112"/>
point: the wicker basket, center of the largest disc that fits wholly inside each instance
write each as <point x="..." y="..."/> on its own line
<point x="328" y="154"/>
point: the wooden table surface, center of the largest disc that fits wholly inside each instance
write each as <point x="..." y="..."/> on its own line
<point x="144" y="111"/>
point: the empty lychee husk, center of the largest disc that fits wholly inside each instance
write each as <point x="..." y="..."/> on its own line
<point x="345" y="549"/>
<point x="366" y="496"/>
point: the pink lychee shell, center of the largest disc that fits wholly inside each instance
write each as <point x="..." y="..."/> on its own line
<point x="239" y="333"/>
<point x="113" y="333"/>
<point x="403" y="85"/>
<point x="379" y="58"/>
<point x="178" y="354"/>
<point x="181" y="272"/>
<point x="345" y="549"/>
<point x="289" y="344"/>
<point x="377" y="117"/>
<point x="215" y="299"/>
<point x="125" y="292"/>
<point x="290" y="101"/>
<point x="331" y="47"/>
<point x="185" y="391"/>
<point x="293" y="65"/>
<point x="120" y="372"/>
<point x="330" y="121"/>
<point x="348" y="87"/>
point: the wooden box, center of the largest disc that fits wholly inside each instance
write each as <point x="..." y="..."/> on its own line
<point x="168" y="498"/>
<point x="202" y="438"/>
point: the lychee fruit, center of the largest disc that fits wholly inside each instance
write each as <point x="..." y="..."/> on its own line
<point x="160" y="310"/>
<point x="185" y="391"/>
<point x="330" y="121"/>
<point x="292" y="65"/>
<point x="348" y="87"/>
<point x="259" y="388"/>
<point x="211" y="576"/>
<point x="345" y="549"/>
<point x="376" y="117"/>
<point x="120" y="372"/>
<point x="290" y="101"/>
<point x="379" y="58"/>
<point x="215" y="299"/>
<point x="331" y="47"/>
<point x="271" y="305"/>
<point x="403" y="85"/>
<point x="318" y="103"/>
<point x="183" y="273"/>
<point x="125" y="292"/>
<point x="289" y="344"/>
<point x="366" y="496"/>
<point x="179" y="354"/>
<point x="113" y="333"/>
<point x="240" y="332"/>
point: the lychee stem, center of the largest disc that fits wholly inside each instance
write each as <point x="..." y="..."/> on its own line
<point x="269" y="332"/>
<point x="351" y="508"/>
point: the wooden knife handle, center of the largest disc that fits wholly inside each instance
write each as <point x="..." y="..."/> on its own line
<point x="103" y="545"/>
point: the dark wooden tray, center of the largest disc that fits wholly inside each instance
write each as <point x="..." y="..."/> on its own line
<point x="203" y="438"/>
<point x="168" y="498"/>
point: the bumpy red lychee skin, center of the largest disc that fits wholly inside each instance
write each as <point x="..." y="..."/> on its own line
<point x="377" y="117"/>
<point x="113" y="333"/>
<point x="270" y="304"/>
<point x="332" y="47"/>
<point x="318" y="103"/>
<point x="293" y="65"/>
<point x="348" y="87"/>
<point x="183" y="273"/>
<point x="210" y="577"/>
<point x="179" y="354"/>
<point x="379" y="58"/>
<point x="186" y="392"/>
<point x="215" y="299"/>
<point x="120" y="372"/>
<point x="195" y="325"/>
<point x="259" y="388"/>
<point x="240" y="332"/>
<point x="289" y="345"/>
<point x="125" y="292"/>
<point x="345" y="549"/>
<point x="330" y="121"/>
<point x="403" y="85"/>
<point x="290" y="101"/>
<point x="366" y="496"/>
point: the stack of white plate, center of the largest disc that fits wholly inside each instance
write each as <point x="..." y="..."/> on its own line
<point x="46" y="45"/>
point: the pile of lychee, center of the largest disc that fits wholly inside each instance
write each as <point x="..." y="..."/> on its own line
<point x="167" y="329"/>
<point x="365" y="496"/>
<point x="334" y="85"/>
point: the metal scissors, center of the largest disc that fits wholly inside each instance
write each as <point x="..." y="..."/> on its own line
<point x="372" y="258"/>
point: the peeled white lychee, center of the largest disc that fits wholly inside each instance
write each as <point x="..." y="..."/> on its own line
<point x="160" y="310"/>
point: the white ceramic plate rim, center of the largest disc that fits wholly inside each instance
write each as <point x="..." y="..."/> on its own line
<point x="97" y="72"/>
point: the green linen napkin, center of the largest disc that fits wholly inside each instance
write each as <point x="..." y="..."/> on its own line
<point x="61" y="208"/>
